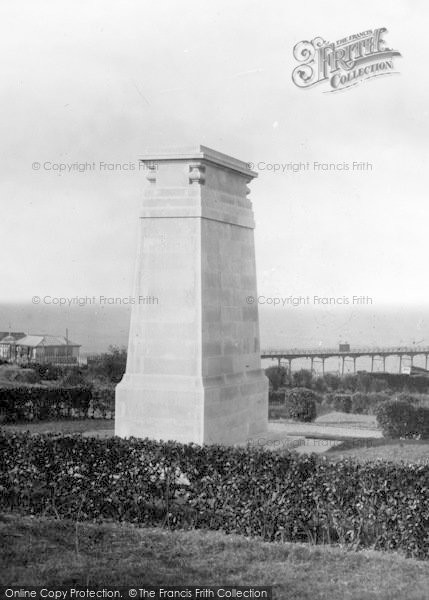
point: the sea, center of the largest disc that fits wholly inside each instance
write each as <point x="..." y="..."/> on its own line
<point x="98" y="327"/>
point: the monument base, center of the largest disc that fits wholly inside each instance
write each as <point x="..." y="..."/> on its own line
<point x="214" y="410"/>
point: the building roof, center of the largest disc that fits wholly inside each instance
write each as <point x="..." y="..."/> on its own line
<point x="15" y="334"/>
<point x="9" y="340"/>
<point x="45" y="340"/>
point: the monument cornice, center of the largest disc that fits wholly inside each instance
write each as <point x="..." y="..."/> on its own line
<point x="196" y="154"/>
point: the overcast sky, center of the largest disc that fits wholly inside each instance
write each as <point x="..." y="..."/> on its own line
<point x="104" y="81"/>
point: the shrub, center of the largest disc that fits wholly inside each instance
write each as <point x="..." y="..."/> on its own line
<point x="74" y="377"/>
<point x="399" y="419"/>
<point x="50" y="372"/>
<point x="277" y="397"/>
<point x="332" y="381"/>
<point x="421" y="400"/>
<point x="302" y="378"/>
<point x="407" y="397"/>
<point x="375" y="399"/>
<point x="342" y="402"/>
<point x="277" y="376"/>
<point x="300" y="404"/>
<point x="360" y="403"/>
<point x="421" y="417"/>
<point x="28" y="403"/>
<point x="102" y="402"/>
<point x="111" y="365"/>
<point x="18" y="375"/>
<point x="247" y="491"/>
<point x="349" y="382"/>
<point x="320" y="385"/>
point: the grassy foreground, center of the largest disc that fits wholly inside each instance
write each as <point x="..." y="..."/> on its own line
<point x="407" y="451"/>
<point x="38" y="551"/>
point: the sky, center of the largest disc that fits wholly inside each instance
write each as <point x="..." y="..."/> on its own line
<point x="102" y="82"/>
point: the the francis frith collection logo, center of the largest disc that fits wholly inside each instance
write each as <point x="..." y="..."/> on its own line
<point x="344" y="63"/>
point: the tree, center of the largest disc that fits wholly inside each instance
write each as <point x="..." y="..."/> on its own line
<point x="111" y="365"/>
<point x="277" y="377"/>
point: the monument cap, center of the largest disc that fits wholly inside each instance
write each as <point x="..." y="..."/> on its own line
<point x="200" y="153"/>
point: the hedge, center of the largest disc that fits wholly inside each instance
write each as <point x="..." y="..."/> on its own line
<point x="102" y="404"/>
<point x="246" y="491"/>
<point x="32" y="403"/>
<point x="400" y="419"/>
<point x="276" y="398"/>
<point x="357" y="403"/>
<point x="300" y="404"/>
<point x="342" y="402"/>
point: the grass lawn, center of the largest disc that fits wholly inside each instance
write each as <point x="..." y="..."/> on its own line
<point x="347" y="419"/>
<point x="39" y="551"/>
<point x="372" y="449"/>
<point x="84" y="425"/>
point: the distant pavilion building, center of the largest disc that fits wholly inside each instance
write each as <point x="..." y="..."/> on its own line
<point x="25" y="349"/>
<point x="8" y="344"/>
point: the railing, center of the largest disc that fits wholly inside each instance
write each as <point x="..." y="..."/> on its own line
<point x="337" y="352"/>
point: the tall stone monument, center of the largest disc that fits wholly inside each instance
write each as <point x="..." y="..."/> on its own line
<point x="194" y="371"/>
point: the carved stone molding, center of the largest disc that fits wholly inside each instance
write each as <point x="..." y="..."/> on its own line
<point x="196" y="173"/>
<point x="151" y="174"/>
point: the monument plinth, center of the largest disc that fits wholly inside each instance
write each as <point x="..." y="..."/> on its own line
<point x="194" y="370"/>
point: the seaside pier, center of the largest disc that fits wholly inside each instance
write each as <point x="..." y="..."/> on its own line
<point x="348" y="355"/>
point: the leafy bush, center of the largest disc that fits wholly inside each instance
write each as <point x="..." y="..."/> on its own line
<point x="360" y="403"/>
<point x="277" y="377"/>
<point x="102" y="402"/>
<point x="342" y="402"/>
<point x="300" y="404"/>
<point x="276" y="397"/>
<point x="421" y="418"/>
<point x="18" y="375"/>
<point x="332" y="381"/>
<point x="33" y="403"/>
<point x="366" y="403"/>
<point x="377" y="397"/>
<point x="302" y="378"/>
<point x="349" y="382"/>
<point x="320" y="384"/>
<point x="246" y="491"/>
<point x="42" y="403"/>
<point x="74" y="377"/>
<point x="363" y="381"/>
<point x="421" y="400"/>
<point x="111" y="365"/>
<point x="50" y="372"/>
<point x="400" y="419"/>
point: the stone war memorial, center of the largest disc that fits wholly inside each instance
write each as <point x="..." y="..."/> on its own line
<point x="194" y="370"/>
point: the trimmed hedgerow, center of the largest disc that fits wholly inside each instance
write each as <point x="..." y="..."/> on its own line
<point x="357" y="403"/>
<point x="297" y="403"/>
<point x="102" y="403"/>
<point x="247" y="491"/>
<point x="42" y="403"/>
<point x="400" y="419"/>
<point x="39" y="403"/>
<point x="300" y="404"/>
<point x="276" y="398"/>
